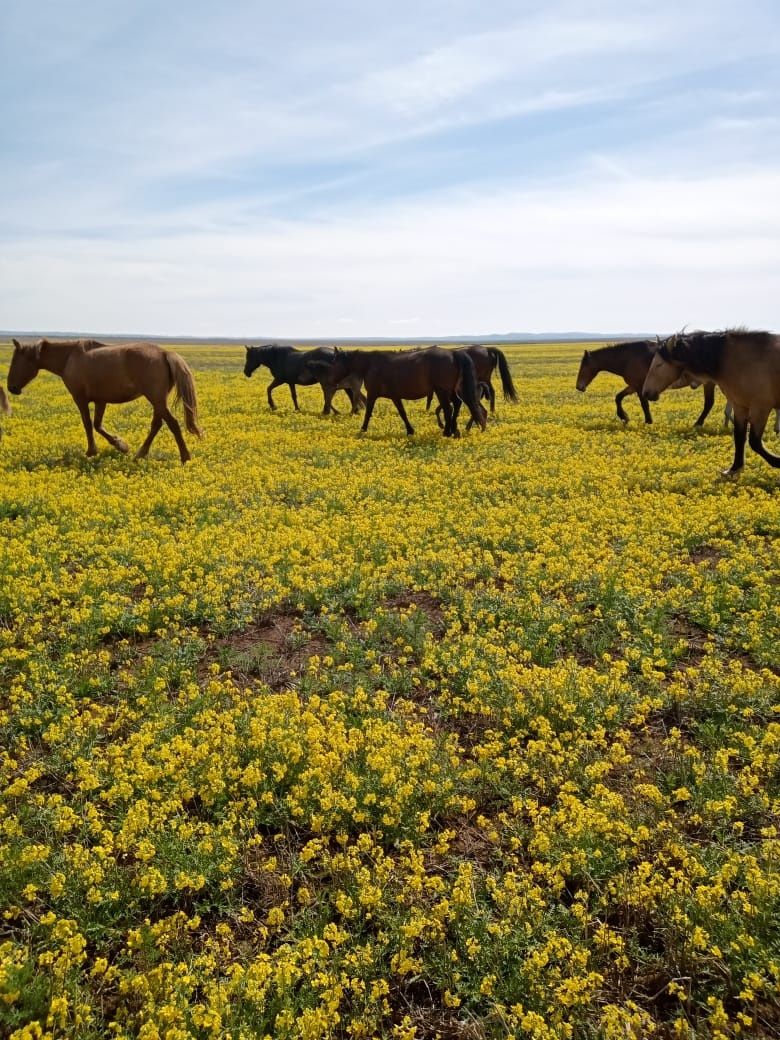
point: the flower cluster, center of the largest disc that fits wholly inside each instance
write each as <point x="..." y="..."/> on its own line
<point x="338" y="735"/>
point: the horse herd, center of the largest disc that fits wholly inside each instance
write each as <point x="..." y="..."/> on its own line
<point x="744" y="364"/>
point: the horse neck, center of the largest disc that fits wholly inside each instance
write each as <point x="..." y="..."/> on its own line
<point x="54" y="356"/>
<point x="611" y="359"/>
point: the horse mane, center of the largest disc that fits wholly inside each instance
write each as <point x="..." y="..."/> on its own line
<point x="620" y="348"/>
<point x="702" y="351"/>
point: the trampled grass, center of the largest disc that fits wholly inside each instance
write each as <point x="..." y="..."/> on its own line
<point x="328" y="735"/>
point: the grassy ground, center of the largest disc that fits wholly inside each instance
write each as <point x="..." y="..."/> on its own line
<point x="329" y="735"/>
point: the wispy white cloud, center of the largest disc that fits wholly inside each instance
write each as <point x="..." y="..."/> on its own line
<point x="191" y="167"/>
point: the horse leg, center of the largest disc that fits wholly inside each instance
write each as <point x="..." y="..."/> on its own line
<point x="740" y="433"/>
<point x="86" y="418"/>
<point x="756" y="439"/>
<point x="456" y="406"/>
<point x="491" y="398"/>
<point x="154" y="429"/>
<point x="370" y="402"/>
<point x="173" y="425"/>
<point x="728" y="411"/>
<point x="777" y="420"/>
<point x="112" y="439"/>
<point x="402" y="412"/>
<point x="294" y="396"/>
<point x="327" y="399"/>
<point x="646" y="409"/>
<point x="438" y="413"/>
<point x="272" y="386"/>
<point x="709" y="401"/>
<point x="619" y="402"/>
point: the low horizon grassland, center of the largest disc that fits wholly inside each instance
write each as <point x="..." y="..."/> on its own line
<point x="339" y="735"/>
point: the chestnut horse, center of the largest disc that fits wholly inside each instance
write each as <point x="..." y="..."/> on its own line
<point x="5" y="406"/>
<point x="631" y="361"/>
<point x="410" y="375"/>
<point x="744" y="364"/>
<point x="101" y="375"/>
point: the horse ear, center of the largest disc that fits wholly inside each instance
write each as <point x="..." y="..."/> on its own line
<point x="16" y="344"/>
<point x="587" y="354"/>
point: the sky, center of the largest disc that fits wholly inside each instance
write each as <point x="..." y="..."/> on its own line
<point x="411" y="168"/>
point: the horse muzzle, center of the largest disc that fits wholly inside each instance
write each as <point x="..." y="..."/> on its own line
<point x="15" y="390"/>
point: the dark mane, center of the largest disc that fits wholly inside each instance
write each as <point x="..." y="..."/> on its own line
<point x="701" y="352"/>
<point x="624" y="347"/>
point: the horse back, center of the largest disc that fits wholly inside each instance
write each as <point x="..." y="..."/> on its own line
<point x="749" y="370"/>
<point x="116" y="374"/>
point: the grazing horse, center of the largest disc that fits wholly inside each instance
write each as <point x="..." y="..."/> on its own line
<point x="486" y="360"/>
<point x="744" y="364"/>
<point x="101" y="375"/>
<point x="293" y="367"/>
<point x="413" y="374"/>
<point x="631" y="361"/>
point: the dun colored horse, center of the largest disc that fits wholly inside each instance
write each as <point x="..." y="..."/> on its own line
<point x="744" y="364"/>
<point x="293" y="367"/>
<point x="486" y="360"/>
<point x="101" y="375"/>
<point x="631" y="361"/>
<point x="411" y="375"/>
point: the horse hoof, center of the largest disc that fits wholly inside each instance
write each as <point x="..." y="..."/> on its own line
<point x="121" y="446"/>
<point x="731" y="474"/>
<point x="92" y="454"/>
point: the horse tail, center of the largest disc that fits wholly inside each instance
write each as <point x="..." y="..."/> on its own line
<point x="468" y="390"/>
<point x="181" y="374"/>
<point x="429" y="401"/>
<point x="5" y="404"/>
<point x="499" y="358"/>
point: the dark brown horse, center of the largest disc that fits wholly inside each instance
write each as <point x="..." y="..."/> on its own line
<point x="293" y="367"/>
<point x="486" y="361"/>
<point x="101" y="375"/>
<point x="5" y="406"/>
<point x="411" y="375"/>
<point x="744" y="364"/>
<point x="631" y="361"/>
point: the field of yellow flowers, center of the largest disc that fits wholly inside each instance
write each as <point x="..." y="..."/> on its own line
<point x="329" y="735"/>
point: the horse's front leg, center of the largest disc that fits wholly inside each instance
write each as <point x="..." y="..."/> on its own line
<point x="117" y="442"/>
<point x="646" y="409"/>
<point x="621" y="413"/>
<point x="272" y="386"/>
<point x="740" y="435"/>
<point x="86" y="418"/>
<point x="709" y="401"/>
<point x="328" y="393"/>
<point x="294" y="396"/>
<point x="370" y="402"/>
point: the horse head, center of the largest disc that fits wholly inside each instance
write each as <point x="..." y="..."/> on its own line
<point x="586" y="372"/>
<point x="25" y="365"/>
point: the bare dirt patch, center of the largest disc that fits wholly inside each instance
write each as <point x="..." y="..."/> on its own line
<point x="274" y="651"/>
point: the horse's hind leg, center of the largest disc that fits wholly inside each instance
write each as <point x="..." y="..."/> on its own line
<point x="491" y="397"/>
<point x="709" y="401"/>
<point x="402" y="412"/>
<point x="173" y="425"/>
<point x="777" y="420"/>
<point x="621" y="414"/>
<point x="728" y="411"/>
<point x="755" y="437"/>
<point x="112" y="439"/>
<point x="154" y="429"/>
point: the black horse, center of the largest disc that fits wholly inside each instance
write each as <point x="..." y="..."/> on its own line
<point x="291" y="366"/>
